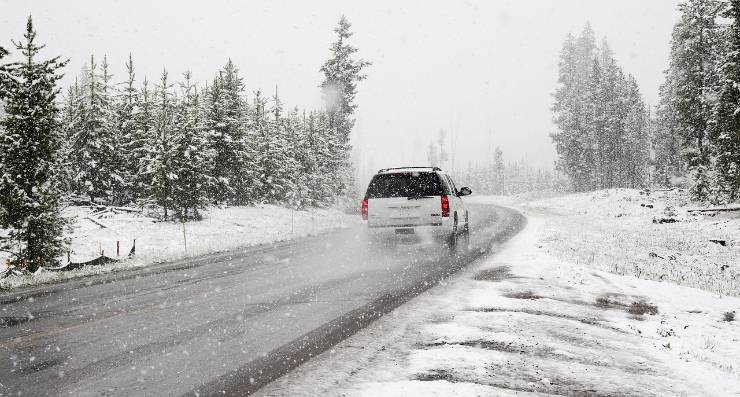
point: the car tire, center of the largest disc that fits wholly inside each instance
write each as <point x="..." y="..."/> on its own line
<point x="465" y="239"/>
<point x="452" y="239"/>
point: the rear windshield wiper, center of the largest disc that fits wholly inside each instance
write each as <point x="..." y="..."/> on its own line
<point x="419" y="197"/>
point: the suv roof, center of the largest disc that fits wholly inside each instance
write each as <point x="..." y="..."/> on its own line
<point x="408" y="169"/>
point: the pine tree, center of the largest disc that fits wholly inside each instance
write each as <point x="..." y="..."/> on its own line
<point x="117" y="178"/>
<point x="142" y="140"/>
<point x="320" y="184"/>
<point x="433" y="155"/>
<point x="271" y="148"/>
<point x="635" y="155"/>
<point x="160" y="157"/>
<point x="71" y="114"/>
<point x="94" y="141"/>
<point x="342" y="72"/>
<point x="726" y="132"/>
<point x="498" y="172"/>
<point x="570" y="108"/>
<point x="30" y="150"/>
<point x="131" y="143"/>
<point x="694" y="43"/>
<point x="666" y="143"/>
<point x="225" y="119"/>
<point x="240" y="169"/>
<point x="190" y="157"/>
<point x="441" y="143"/>
<point x="602" y="138"/>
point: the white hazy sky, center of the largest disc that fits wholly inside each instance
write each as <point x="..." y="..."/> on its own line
<point x="483" y="69"/>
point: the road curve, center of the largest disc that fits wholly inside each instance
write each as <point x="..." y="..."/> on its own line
<point x="219" y="324"/>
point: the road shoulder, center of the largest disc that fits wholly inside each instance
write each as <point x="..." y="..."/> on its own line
<point x="523" y="322"/>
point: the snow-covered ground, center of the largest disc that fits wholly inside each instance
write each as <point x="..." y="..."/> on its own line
<point x="222" y="229"/>
<point x="537" y="319"/>
<point x="620" y="231"/>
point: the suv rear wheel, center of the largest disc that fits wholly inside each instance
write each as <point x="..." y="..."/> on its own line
<point x="452" y="239"/>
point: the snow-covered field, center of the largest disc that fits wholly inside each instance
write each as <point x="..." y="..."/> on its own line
<point x="619" y="231"/>
<point x="535" y="320"/>
<point x="221" y="229"/>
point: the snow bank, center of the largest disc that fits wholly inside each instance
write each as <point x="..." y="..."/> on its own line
<point x="652" y="236"/>
<point x="221" y="229"/>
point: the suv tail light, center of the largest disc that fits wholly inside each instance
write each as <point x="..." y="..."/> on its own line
<point x="445" y="206"/>
<point x="364" y="209"/>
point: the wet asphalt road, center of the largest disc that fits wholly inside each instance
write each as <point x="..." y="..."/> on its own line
<point x="219" y="324"/>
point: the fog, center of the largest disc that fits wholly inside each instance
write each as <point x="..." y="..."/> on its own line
<point x="482" y="70"/>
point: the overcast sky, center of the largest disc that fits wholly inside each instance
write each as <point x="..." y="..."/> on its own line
<point x="484" y="70"/>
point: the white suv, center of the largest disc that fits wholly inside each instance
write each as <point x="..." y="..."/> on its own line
<point x="417" y="200"/>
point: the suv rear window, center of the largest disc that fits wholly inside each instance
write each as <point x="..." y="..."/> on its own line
<point x="405" y="184"/>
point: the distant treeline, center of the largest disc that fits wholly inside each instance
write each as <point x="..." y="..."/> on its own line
<point x="174" y="145"/>
<point x="502" y="178"/>
<point x="182" y="146"/>
<point x="603" y="136"/>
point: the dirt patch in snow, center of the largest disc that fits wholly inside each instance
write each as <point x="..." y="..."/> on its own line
<point x="523" y="295"/>
<point x="7" y="322"/>
<point x="637" y="306"/>
<point x="584" y="320"/>
<point x="480" y="344"/>
<point x="524" y="383"/>
<point x="495" y="274"/>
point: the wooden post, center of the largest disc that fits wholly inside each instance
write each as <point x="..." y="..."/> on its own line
<point x="118" y="248"/>
<point x="184" y="237"/>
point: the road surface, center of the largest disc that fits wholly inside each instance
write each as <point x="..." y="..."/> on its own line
<point x="219" y="324"/>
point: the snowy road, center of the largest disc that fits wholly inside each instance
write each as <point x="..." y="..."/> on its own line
<point x="228" y="322"/>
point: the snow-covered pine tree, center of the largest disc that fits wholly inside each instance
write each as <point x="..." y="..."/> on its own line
<point x="297" y="151"/>
<point x="694" y="43"/>
<point x="666" y="142"/>
<point x="225" y="119"/>
<point x="325" y="185"/>
<point x="594" y="125"/>
<point x="269" y="146"/>
<point x="111" y="125"/>
<point x="611" y="144"/>
<point x="30" y="157"/>
<point x="499" y="175"/>
<point x="190" y="157"/>
<point x="131" y="144"/>
<point x="441" y="144"/>
<point x="240" y="169"/>
<point x="602" y="126"/>
<point x="279" y="162"/>
<point x="432" y="155"/>
<point x="93" y="141"/>
<point x="726" y="131"/>
<point x="71" y="113"/>
<point x="635" y="154"/>
<point x="142" y="141"/>
<point x="342" y="71"/>
<point x="571" y="100"/>
<point x="159" y="159"/>
<point x="219" y="142"/>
